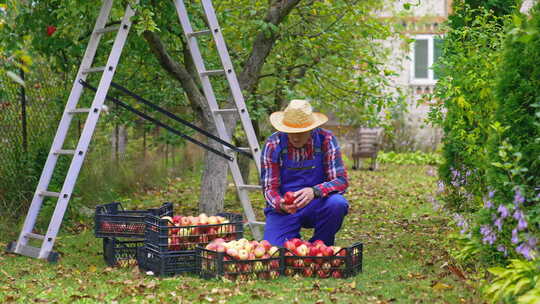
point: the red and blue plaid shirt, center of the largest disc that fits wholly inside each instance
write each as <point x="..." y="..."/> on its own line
<point x="336" y="176"/>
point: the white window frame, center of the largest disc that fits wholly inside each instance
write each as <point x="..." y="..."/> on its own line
<point x="431" y="49"/>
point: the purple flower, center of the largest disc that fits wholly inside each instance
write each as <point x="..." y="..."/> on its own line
<point x="489" y="235"/>
<point x="503" y="211"/>
<point x="498" y="222"/>
<point x="515" y="238"/>
<point x="522" y="224"/>
<point x="518" y="198"/>
<point x="518" y="214"/>
<point x="440" y="187"/>
<point x="501" y="248"/>
<point x="527" y="248"/>
<point x="491" y="194"/>
<point x="488" y="204"/>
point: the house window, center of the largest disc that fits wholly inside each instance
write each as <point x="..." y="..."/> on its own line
<point x="426" y="50"/>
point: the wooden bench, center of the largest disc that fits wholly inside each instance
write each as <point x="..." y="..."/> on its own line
<point x="366" y="145"/>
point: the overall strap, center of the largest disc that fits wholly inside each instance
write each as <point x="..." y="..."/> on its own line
<point x="282" y="149"/>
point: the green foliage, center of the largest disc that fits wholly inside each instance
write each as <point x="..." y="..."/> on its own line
<point x="518" y="283"/>
<point x="491" y="163"/>
<point x="466" y="90"/>
<point x="409" y="158"/>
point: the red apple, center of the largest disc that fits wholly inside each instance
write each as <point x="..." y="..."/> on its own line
<point x="212" y="220"/>
<point x="243" y="254"/>
<point x="307" y="272"/>
<point x="289" y="244"/>
<point x="336" y="274"/>
<point x="273" y="250"/>
<point x="289" y="198"/>
<point x="313" y="251"/>
<point x="318" y="243"/>
<point x="50" y="30"/>
<point x="336" y="262"/>
<point x="297" y="242"/>
<point x="327" y="251"/>
<point x="220" y="248"/>
<point x="322" y="274"/>
<point x="302" y="250"/>
<point x="274" y="274"/>
<point x="266" y="244"/>
<point x="259" y="251"/>
<point x="274" y="264"/>
<point x="298" y="263"/>
<point x="232" y="252"/>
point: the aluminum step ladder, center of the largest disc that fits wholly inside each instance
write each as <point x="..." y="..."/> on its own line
<point x="217" y="113"/>
<point x="22" y="246"/>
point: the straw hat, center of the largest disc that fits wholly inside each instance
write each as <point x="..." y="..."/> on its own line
<point x="298" y="117"/>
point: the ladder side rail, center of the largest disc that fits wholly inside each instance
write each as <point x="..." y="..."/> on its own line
<point x="233" y="82"/>
<point x="87" y="132"/>
<point x="62" y="130"/>
<point x="199" y="65"/>
<point x="220" y="125"/>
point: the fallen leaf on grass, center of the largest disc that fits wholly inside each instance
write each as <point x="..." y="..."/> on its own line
<point x="457" y="272"/>
<point x="441" y="286"/>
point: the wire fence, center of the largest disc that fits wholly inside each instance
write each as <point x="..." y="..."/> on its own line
<point x="28" y="115"/>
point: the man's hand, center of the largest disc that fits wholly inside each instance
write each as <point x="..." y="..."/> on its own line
<point x="303" y="197"/>
<point x="291" y="209"/>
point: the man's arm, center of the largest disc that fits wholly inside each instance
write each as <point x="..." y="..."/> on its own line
<point x="337" y="180"/>
<point x="270" y="179"/>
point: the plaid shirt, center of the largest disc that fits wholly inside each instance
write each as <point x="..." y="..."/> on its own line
<point x="336" y="176"/>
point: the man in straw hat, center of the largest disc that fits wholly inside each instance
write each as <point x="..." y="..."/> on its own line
<point x="305" y="159"/>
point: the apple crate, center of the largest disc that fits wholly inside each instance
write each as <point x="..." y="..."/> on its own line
<point x="121" y="253"/>
<point x="345" y="263"/>
<point x="111" y="220"/>
<point x="214" y="264"/>
<point x="162" y="235"/>
<point x="166" y="263"/>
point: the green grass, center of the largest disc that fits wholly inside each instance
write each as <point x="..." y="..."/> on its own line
<point x="406" y="256"/>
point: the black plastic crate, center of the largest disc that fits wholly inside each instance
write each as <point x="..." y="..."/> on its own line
<point x="344" y="264"/>
<point x="215" y="264"/>
<point x="166" y="263"/>
<point x="162" y="236"/>
<point x="122" y="253"/>
<point x="111" y="220"/>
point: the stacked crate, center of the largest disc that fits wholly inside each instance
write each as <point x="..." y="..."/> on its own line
<point x="122" y="231"/>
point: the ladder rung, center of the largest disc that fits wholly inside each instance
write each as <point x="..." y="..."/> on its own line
<point x="226" y="111"/>
<point x="108" y="29"/>
<point x="92" y="70"/>
<point x="29" y="251"/>
<point x="213" y="72"/>
<point x="49" y="193"/>
<point x="80" y="110"/>
<point x="256" y="223"/>
<point x="246" y="149"/>
<point x="35" y="236"/>
<point x="199" y="33"/>
<point x="61" y="151"/>
<point x="250" y="187"/>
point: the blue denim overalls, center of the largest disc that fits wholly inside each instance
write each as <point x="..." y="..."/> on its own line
<point x="324" y="214"/>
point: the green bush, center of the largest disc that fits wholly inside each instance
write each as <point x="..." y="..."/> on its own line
<point x="466" y="110"/>
<point x="490" y="113"/>
<point x="409" y="158"/>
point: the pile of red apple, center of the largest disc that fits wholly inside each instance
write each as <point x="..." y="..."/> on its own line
<point x="242" y="259"/>
<point x="115" y="227"/>
<point x="187" y="232"/>
<point x="313" y="259"/>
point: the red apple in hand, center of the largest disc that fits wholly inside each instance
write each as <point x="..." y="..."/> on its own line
<point x="289" y="198"/>
<point x="50" y="30"/>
